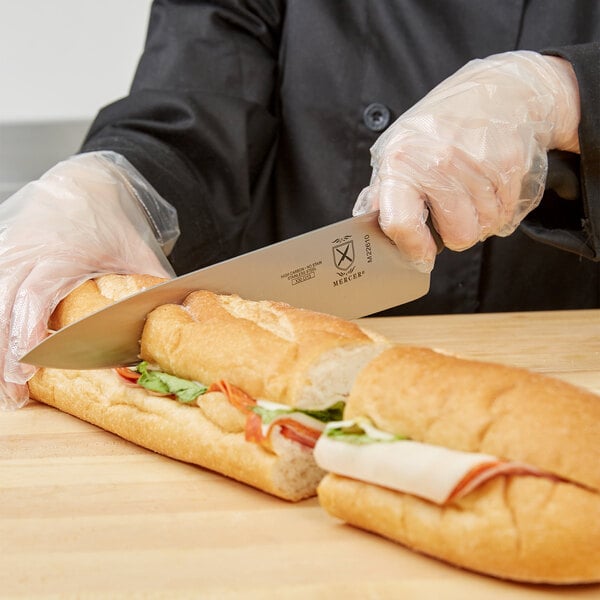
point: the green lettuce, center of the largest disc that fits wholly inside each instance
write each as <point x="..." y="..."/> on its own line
<point x="355" y="434"/>
<point x="268" y="415"/>
<point x="163" y="383"/>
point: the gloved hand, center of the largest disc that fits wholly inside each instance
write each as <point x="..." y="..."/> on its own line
<point x="88" y="215"/>
<point x="472" y="154"/>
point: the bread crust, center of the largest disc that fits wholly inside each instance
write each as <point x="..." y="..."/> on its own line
<point x="483" y="407"/>
<point x="262" y="347"/>
<point x="271" y="350"/>
<point x="521" y="528"/>
<point x="95" y="294"/>
<point x="175" y="430"/>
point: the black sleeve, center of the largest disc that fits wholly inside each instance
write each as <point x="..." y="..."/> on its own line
<point x="200" y="120"/>
<point x="569" y="215"/>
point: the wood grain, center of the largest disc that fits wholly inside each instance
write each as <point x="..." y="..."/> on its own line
<point x="84" y="514"/>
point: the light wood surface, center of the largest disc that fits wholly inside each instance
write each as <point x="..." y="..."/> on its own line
<point x="84" y="514"/>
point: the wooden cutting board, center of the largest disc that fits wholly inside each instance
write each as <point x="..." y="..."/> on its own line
<point x="84" y="514"/>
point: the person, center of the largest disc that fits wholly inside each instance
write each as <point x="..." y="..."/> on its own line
<point x="250" y="122"/>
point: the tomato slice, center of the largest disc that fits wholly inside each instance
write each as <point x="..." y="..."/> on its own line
<point x="308" y="441"/>
<point x="253" y="431"/>
<point x="298" y="432"/>
<point x="290" y="428"/>
<point x="128" y="374"/>
<point x="235" y="395"/>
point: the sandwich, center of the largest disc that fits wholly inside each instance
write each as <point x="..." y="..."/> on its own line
<point x="488" y="467"/>
<point x="241" y="387"/>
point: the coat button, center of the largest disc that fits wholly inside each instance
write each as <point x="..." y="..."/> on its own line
<point x="376" y="116"/>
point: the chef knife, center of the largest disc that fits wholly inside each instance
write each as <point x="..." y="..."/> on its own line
<point x="350" y="269"/>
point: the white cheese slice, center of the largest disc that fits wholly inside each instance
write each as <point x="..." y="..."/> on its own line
<point x="424" y="470"/>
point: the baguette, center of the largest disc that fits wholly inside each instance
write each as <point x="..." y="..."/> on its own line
<point x="536" y="518"/>
<point x="266" y="353"/>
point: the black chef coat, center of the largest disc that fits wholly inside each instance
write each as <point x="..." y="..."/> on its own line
<point x="255" y="119"/>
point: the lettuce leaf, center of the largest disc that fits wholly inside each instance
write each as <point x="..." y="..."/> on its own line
<point x="354" y="433"/>
<point x="333" y="413"/>
<point x="163" y="383"/>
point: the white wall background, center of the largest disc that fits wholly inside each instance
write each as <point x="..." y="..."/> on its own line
<point x="65" y="59"/>
<point x="60" y="62"/>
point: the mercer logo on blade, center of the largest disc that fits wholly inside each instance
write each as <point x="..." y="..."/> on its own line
<point x="344" y="259"/>
<point x="343" y="253"/>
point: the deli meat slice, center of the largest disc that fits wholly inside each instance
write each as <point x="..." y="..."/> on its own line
<point x="431" y="472"/>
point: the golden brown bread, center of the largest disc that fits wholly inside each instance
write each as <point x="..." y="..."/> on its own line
<point x="270" y="350"/>
<point x="176" y="430"/>
<point x="483" y="407"/>
<point x="94" y="294"/>
<point x="519" y="527"/>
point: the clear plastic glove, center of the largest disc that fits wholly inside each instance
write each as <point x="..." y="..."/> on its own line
<point x="472" y="154"/>
<point x="88" y="215"/>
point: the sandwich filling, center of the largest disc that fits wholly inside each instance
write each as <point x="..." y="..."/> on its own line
<point x="358" y="450"/>
<point x="262" y="417"/>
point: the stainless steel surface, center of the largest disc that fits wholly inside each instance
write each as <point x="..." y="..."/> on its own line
<point x="350" y="269"/>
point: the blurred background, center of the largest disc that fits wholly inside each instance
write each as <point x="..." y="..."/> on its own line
<point x="60" y="62"/>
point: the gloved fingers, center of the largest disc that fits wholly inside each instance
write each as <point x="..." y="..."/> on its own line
<point x="79" y="220"/>
<point x="466" y="202"/>
<point x="101" y="193"/>
<point x="31" y="295"/>
<point x="13" y="392"/>
<point x="86" y="224"/>
<point x="26" y="317"/>
<point x="12" y="395"/>
<point x="469" y="196"/>
<point x="473" y="151"/>
<point x="367" y="200"/>
<point x="403" y="218"/>
<point x="27" y="299"/>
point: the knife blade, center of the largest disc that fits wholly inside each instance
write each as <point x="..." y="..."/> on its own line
<point x="350" y="269"/>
